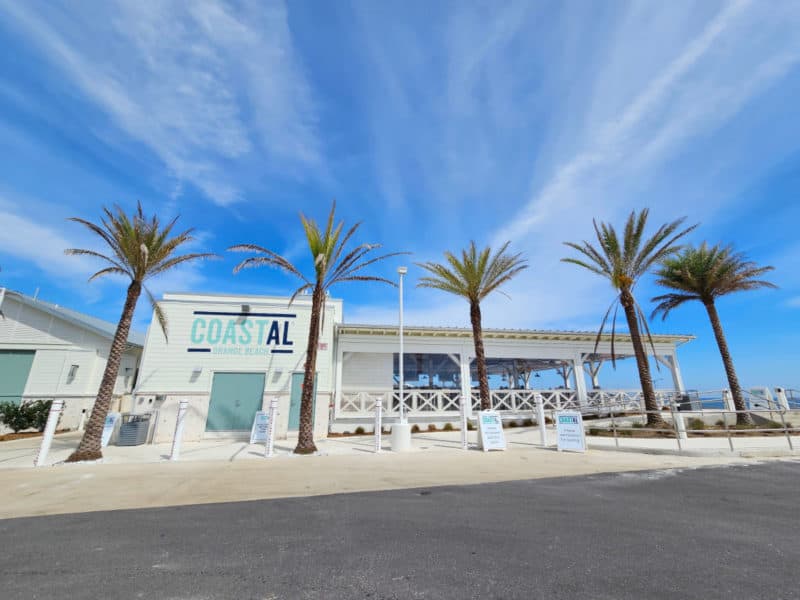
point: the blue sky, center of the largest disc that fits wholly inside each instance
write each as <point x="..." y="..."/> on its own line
<point x="434" y="123"/>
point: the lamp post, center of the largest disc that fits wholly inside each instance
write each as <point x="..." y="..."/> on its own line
<point x="401" y="271"/>
<point x="401" y="432"/>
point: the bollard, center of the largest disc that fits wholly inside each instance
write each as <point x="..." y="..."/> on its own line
<point x="783" y="402"/>
<point x="464" y="426"/>
<point x="49" y="431"/>
<point x="540" y="419"/>
<point x="179" y="422"/>
<point x="378" y="411"/>
<point x="680" y="425"/>
<point x="269" y="445"/>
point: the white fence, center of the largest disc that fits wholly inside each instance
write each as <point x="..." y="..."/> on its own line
<point x="446" y="403"/>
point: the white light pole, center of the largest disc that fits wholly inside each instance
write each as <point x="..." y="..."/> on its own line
<point x="402" y="271"/>
<point x="401" y="432"/>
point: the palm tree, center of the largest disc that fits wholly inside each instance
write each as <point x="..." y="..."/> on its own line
<point x="331" y="266"/>
<point x="623" y="264"/>
<point x="706" y="273"/>
<point x="473" y="277"/>
<point x="140" y="248"/>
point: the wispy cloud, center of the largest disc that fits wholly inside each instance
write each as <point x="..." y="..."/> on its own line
<point x="208" y="88"/>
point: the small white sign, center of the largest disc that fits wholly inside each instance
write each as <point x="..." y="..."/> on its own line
<point x="490" y="429"/>
<point x="108" y="428"/>
<point x="569" y="431"/>
<point x="260" y="427"/>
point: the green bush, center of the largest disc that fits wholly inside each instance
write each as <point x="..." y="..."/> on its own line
<point x="359" y="431"/>
<point x="448" y="427"/>
<point x="415" y="429"/>
<point x="470" y="426"/>
<point x="512" y="424"/>
<point x="28" y="415"/>
<point x="527" y="423"/>
<point x="697" y="424"/>
<point x="431" y="427"/>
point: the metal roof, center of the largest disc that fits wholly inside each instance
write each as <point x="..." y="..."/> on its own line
<point x="102" y="328"/>
<point x="509" y="334"/>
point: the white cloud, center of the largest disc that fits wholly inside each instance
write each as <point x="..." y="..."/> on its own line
<point x="185" y="80"/>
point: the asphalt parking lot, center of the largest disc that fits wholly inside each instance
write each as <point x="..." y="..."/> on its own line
<point x="717" y="532"/>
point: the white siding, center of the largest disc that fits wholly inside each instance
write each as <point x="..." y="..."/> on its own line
<point x="24" y="325"/>
<point x="366" y="372"/>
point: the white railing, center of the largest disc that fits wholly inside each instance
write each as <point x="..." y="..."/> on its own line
<point x="417" y="401"/>
<point x="515" y="401"/>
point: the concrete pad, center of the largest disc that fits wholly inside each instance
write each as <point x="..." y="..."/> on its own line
<point x="70" y="488"/>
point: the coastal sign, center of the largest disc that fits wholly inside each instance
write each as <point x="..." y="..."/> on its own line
<point x="241" y="333"/>
<point x="490" y="430"/>
<point x="108" y="428"/>
<point x="569" y="431"/>
<point x="260" y="429"/>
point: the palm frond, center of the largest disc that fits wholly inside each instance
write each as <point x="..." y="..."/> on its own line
<point x="158" y="312"/>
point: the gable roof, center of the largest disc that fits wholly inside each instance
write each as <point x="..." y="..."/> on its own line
<point x="102" y="328"/>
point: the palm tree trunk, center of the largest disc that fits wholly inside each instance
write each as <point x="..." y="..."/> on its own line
<point x="480" y="357"/>
<point x="742" y="418"/>
<point x="90" y="445"/>
<point x="305" y="437"/>
<point x="650" y="405"/>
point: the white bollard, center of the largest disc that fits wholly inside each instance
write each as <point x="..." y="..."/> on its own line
<point x="680" y="425"/>
<point x="464" y="427"/>
<point x="49" y="431"/>
<point x="183" y="405"/>
<point x="783" y="402"/>
<point x="378" y="425"/>
<point x="269" y="445"/>
<point x="540" y="419"/>
<point x="727" y="400"/>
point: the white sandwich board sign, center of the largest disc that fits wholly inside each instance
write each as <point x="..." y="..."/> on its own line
<point x="569" y="431"/>
<point x="490" y="430"/>
<point x="260" y="428"/>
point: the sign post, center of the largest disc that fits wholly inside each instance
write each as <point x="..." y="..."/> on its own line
<point x="490" y="430"/>
<point x="258" y="432"/>
<point x="108" y="428"/>
<point x="49" y="431"/>
<point x="183" y="405"/>
<point x="540" y="420"/>
<point x="269" y="444"/>
<point x="569" y="431"/>
<point x="378" y="410"/>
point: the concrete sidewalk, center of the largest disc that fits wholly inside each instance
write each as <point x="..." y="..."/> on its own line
<point x="225" y="471"/>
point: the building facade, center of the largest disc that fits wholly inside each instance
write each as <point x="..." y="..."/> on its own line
<point x="48" y="352"/>
<point x="228" y="356"/>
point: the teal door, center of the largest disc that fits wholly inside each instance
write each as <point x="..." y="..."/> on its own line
<point x="15" y="366"/>
<point x="294" y="403"/>
<point x="235" y="399"/>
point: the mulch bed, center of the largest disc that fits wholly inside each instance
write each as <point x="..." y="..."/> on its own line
<point x="7" y="437"/>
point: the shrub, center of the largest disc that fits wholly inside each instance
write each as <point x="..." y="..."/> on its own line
<point x="431" y="427"/>
<point x="360" y="431"/>
<point x="720" y="423"/>
<point x="470" y="426"/>
<point x="698" y="424"/>
<point x="28" y="415"/>
<point x="447" y="427"/>
<point x="512" y="424"/>
<point x="527" y="423"/>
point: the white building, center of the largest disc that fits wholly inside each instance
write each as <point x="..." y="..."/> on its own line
<point x="230" y="355"/>
<point x="48" y="351"/>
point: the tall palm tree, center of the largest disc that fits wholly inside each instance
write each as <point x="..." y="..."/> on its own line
<point x="623" y="263"/>
<point x="704" y="274"/>
<point x="331" y="266"/>
<point x="473" y="277"/>
<point x="140" y="248"/>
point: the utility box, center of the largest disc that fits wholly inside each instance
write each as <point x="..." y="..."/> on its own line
<point x="134" y="429"/>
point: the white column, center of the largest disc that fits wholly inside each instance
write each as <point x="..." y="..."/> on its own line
<point x="580" y="382"/>
<point x="593" y="370"/>
<point x="337" y="390"/>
